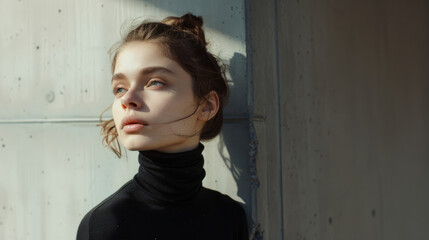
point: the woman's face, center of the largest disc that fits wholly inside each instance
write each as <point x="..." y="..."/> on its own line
<point x="152" y="93"/>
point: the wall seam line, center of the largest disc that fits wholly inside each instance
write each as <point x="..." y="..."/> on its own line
<point x="276" y="21"/>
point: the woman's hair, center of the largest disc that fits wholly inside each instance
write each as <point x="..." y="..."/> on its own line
<point x="182" y="39"/>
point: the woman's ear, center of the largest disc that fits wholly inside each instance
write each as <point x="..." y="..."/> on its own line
<point x="209" y="107"/>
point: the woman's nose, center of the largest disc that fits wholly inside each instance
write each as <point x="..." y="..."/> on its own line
<point x="131" y="99"/>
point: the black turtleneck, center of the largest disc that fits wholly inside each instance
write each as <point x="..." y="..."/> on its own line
<point x="166" y="200"/>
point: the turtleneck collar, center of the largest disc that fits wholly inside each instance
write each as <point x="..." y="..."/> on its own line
<point x="171" y="177"/>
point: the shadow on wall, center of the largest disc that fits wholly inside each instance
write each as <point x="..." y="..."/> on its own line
<point x="235" y="138"/>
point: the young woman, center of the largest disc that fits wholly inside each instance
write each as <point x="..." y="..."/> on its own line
<point x="169" y="94"/>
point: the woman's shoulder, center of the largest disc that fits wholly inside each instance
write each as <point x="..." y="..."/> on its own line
<point x="232" y="213"/>
<point x="223" y="201"/>
<point x="103" y="214"/>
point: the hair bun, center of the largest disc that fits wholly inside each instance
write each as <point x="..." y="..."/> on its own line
<point x="188" y="23"/>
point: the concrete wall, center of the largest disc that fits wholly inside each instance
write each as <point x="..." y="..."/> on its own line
<point x="54" y="83"/>
<point x="343" y="89"/>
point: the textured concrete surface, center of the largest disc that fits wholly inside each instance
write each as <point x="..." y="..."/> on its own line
<point x="343" y="88"/>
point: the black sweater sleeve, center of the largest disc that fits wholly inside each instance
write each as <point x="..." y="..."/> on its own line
<point x="83" y="230"/>
<point x="243" y="231"/>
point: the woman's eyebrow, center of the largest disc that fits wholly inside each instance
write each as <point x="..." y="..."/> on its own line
<point x="150" y="70"/>
<point x="118" y="76"/>
<point x="144" y="71"/>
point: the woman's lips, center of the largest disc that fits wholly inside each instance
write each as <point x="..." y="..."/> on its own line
<point x="133" y="127"/>
<point x="132" y="124"/>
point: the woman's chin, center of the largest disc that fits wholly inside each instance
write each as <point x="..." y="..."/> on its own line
<point x="163" y="144"/>
<point x="136" y="143"/>
<point x="134" y="148"/>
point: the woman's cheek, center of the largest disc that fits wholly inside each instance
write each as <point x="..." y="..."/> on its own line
<point x="163" y="103"/>
<point x="116" y="113"/>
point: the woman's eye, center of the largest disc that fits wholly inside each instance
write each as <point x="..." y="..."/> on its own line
<point x="155" y="83"/>
<point x="118" y="90"/>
